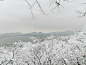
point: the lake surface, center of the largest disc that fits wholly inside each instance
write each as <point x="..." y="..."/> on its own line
<point x="6" y="40"/>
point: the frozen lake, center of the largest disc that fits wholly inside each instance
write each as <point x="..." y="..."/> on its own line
<point x="5" y="40"/>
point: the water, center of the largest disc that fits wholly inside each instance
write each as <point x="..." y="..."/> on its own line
<point x="6" y="40"/>
<point x="9" y="40"/>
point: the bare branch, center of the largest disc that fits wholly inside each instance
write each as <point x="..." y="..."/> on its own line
<point x="57" y="5"/>
<point x="68" y="1"/>
<point x="31" y="9"/>
<point x="41" y="8"/>
<point x="28" y="3"/>
<point x="51" y="2"/>
<point x="84" y="3"/>
<point x="82" y="14"/>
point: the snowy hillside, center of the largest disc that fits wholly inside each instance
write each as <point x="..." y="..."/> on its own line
<point x="63" y="50"/>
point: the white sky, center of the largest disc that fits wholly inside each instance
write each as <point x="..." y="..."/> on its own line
<point x="16" y="17"/>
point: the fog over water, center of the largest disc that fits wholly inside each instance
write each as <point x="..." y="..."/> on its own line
<point x="6" y="40"/>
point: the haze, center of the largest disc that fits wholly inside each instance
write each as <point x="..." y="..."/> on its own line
<point x="16" y="17"/>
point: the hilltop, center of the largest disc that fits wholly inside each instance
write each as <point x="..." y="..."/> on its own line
<point x="54" y="50"/>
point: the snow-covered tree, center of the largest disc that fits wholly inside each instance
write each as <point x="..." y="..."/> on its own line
<point x="69" y="50"/>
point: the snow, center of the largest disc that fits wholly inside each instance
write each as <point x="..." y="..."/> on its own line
<point x="64" y="50"/>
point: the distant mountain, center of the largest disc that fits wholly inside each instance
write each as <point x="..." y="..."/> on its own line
<point x="34" y="33"/>
<point x="37" y="34"/>
<point x="66" y="33"/>
<point x="48" y="34"/>
<point x="11" y="34"/>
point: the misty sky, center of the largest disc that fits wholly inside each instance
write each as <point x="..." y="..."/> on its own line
<point x="15" y="16"/>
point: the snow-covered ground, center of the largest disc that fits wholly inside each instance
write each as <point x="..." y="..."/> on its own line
<point x="64" y="50"/>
